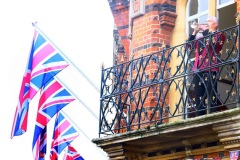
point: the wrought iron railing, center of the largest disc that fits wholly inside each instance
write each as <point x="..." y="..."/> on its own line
<point x="159" y="87"/>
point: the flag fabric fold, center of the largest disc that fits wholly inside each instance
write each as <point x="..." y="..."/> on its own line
<point x="64" y="133"/>
<point x="39" y="148"/>
<point x="43" y="144"/>
<point x="72" y="154"/>
<point x="53" y="98"/>
<point x="43" y="64"/>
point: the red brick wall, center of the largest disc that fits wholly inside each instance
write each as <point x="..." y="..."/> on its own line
<point x="120" y="11"/>
<point x="151" y="32"/>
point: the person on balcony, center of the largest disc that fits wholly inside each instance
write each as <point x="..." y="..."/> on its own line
<point x="207" y="48"/>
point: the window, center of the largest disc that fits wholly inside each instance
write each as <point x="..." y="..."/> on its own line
<point x="137" y="8"/>
<point x="226" y="10"/>
<point x="197" y="10"/>
<point x="223" y="3"/>
<point x="220" y="2"/>
<point x="203" y="5"/>
<point x="193" y="10"/>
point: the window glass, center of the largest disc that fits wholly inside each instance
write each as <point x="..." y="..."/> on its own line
<point x="203" y="6"/>
<point x="224" y="1"/>
<point x="194" y="7"/>
<point x="197" y="11"/>
<point x="203" y="18"/>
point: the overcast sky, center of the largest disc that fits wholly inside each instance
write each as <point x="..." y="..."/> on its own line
<point x="82" y="30"/>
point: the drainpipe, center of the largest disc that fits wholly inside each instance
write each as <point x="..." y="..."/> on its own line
<point x="131" y="55"/>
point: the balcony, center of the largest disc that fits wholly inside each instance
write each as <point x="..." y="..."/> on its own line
<point x="148" y="105"/>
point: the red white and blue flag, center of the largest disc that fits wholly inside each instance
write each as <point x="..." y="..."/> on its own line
<point x="52" y="99"/>
<point x="43" y="144"/>
<point x="72" y="154"/>
<point x="234" y="155"/>
<point x="43" y="64"/>
<point x="64" y="133"/>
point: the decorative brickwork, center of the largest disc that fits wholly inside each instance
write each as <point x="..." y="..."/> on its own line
<point x="120" y="11"/>
<point x="167" y="20"/>
<point x="143" y="31"/>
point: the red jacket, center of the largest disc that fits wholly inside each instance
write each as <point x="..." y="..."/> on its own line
<point x="207" y="50"/>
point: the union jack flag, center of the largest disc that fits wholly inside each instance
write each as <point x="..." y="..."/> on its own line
<point x="52" y="99"/>
<point x="43" y="144"/>
<point x="234" y="155"/>
<point x="64" y="133"/>
<point x="40" y="146"/>
<point x="72" y="154"/>
<point x="43" y="64"/>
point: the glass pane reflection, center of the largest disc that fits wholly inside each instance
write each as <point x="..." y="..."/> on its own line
<point x="203" y="5"/>
<point x="223" y="1"/>
<point x="203" y="18"/>
<point x="193" y="7"/>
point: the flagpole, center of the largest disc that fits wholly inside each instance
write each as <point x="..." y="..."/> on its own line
<point x="80" y="130"/>
<point x="58" y="133"/>
<point x="38" y="29"/>
<point x="67" y="59"/>
<point x="84" y="104"/>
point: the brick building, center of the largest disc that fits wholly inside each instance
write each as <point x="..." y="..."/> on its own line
<point x="147" y="107"/>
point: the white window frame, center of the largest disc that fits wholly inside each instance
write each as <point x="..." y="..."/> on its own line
<point x="140" y="12"/>
<point x="190" y="18"/>
<point x="225" y="4"/>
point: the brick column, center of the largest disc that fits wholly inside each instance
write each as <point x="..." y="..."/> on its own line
<point x="151" y="33"/>
<point x="120" y="11"/>
<point x="147" y="29"/>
